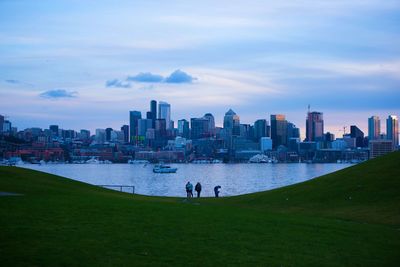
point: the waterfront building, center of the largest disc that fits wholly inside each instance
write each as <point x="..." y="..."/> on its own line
<point x="108" y="134"/>
<point x="356" y="133"/>
<point x="183" y="128"/>
<point x="199" y="127"/>
<point x="100" y="136"/>
<point x="261" y="129"/>
<point x="231" y="123"/>
<point x="211" y="123"/>
<point x="125" y="130"/>
<point x="265" y="143"/>
<point x="380" y="147"/>
<point x="143" y="126"/>
<point x="134" y="116"/>
<point x="164" y="112"/>
<point x="374" y="128"/>
<point x="278" y="130"/>
<point x="314" y="126"/>
<point x="392" y="130"/>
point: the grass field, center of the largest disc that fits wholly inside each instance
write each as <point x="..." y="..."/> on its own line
<point x="347" y="218"/>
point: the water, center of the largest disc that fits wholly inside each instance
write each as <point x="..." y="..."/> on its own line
<point x="235" y="179"/>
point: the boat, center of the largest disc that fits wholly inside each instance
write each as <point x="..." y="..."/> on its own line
<point x="161" y="168"/>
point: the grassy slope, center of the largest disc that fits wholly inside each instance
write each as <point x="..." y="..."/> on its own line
<point x="63" y="222"/>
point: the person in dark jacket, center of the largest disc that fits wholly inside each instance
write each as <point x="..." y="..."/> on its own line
<point x="216" y="190"/>
<point x="189" y="190"/>
<point x="198" y="189"/>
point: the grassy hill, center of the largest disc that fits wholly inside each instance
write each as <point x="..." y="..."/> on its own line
<point x="347" y="218"/>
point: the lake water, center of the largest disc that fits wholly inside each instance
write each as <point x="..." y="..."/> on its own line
<point x="235" y="179"/>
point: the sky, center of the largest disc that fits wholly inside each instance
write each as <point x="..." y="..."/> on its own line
<point x="85" y="64"/>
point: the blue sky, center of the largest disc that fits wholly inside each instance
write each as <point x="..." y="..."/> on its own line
<point x="85" y="64"/>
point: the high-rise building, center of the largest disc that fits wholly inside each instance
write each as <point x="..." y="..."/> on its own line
<point x="356" y="133"/>
<point x="54" y="130"/>
<point x="100" y="136"/>
<point x="7" y="126"/>
<point x="314" y="126"/>
<point x="143" y="126"/>
<point x="261" y="129"/>
<point x="164" y="112"/>
<point x="108" y="134"/>
<point x="232" y="123"/>
<point x="374" y="128"/>
<point x="153" y="112"/>
<point x="199" y="127"/>
<point x="292" y="131"/>
<point x="183" y="128"/>
<point x="134" y="116"/>
<point x="278" y="130"/>
<point x="84" y="134"/>
<point x="125" y="131"/>
<point x="392" y="130"/>
<point x="211" y="123"/>
<point x="161" y="128"/>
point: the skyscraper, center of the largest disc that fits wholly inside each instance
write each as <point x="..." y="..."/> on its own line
<point x="125" y="130"/>
<point x="374" y="128"/>
<point x="54" y="130"/>
<point x="164" y="112"/>
<point x="1" y="123"/>
<point x="314" y="126"/>
<point x="153" y="111"/>
<point x="278" y="130"/>
<point x="211" y="123"/>
<point x="261" y="129"/>
<point x="232" y="123"/>
<point x="134" y="116"/>
<point x="392" y="129"/>
<point x="183" y="128"/>
<point x="199" y="127"/>
<point x="356" y="133"/>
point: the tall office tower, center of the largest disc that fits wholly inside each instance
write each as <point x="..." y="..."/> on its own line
<point x="153" y="110"/>
<point x="125" y="130"/>
<point x="84" y="134"/>
<point x="164" y="112"/>
<point x="314" y="126"/>
<point x="374" y="128"/>
<point x="134" y="116"/>
<point x="292" y="131"/>
<point x="143" y="126"/>
<point x="108" y="134"/>
<point x="54" y="130"/>
<point x="392" y="130"/>
<point x="356" y="133"/>
<point x="199" y="127"/>
<point x="278" y="130"/>
<point x="232" y="123"/>
<point x="161" y="128"/>
<point x="211" y="123"/>
<point x="261" y="129"/>
<point x="183" y="128"/>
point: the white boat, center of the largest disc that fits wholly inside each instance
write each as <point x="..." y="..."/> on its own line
<point x="161" y="168"/>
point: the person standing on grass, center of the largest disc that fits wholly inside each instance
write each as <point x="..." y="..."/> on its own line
<point x="198" y="189"/>
<point x="216" y="190"/>
<point x="189" y="190"/>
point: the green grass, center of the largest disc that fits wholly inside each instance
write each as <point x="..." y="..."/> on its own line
<point x="347" y="218"/>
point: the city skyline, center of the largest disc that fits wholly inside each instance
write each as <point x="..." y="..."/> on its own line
<point x="83" y="66"/>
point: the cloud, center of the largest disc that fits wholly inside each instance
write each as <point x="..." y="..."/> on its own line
<point x="58" y="93"/>
<point x="146" y="77"/>
<point x="12" y="81"/>
<point x="117" y="83"/>
<point x="179" y="76"/>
